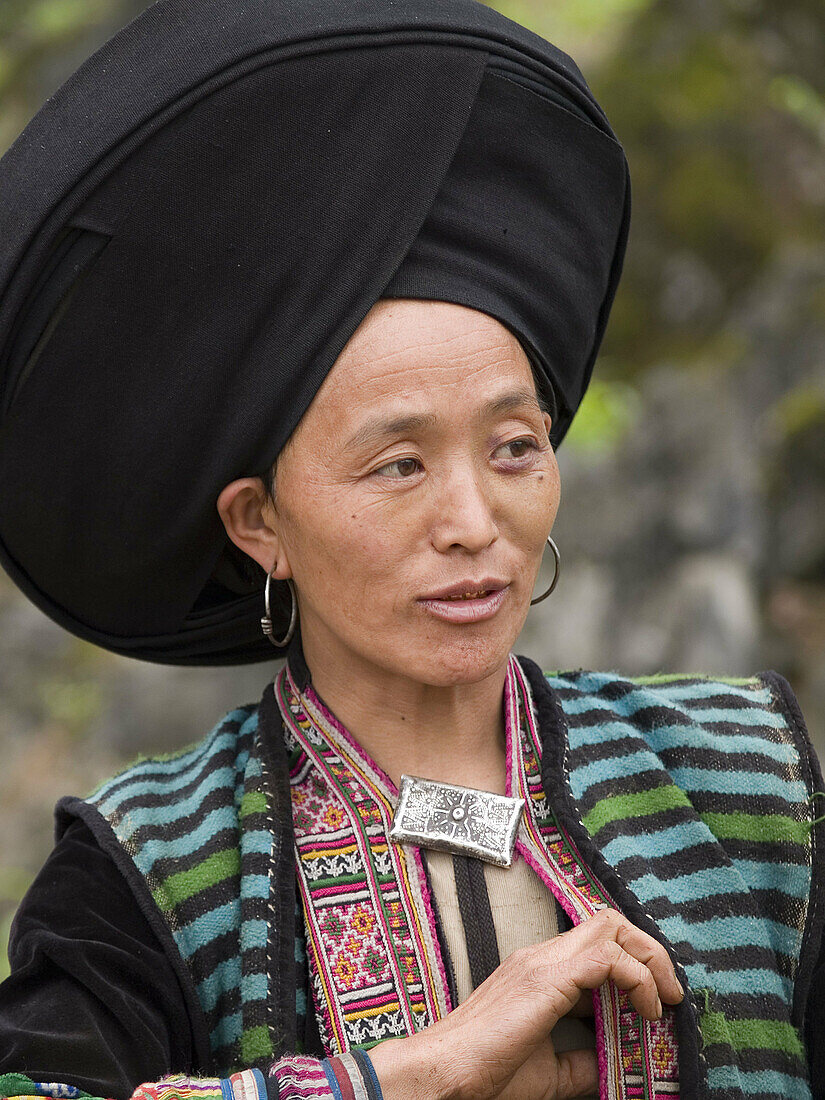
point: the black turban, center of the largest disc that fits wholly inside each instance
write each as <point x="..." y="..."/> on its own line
<point x="195" y="224"/>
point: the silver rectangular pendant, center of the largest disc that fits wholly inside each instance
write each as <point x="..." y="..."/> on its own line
<point x="457" y="819"/>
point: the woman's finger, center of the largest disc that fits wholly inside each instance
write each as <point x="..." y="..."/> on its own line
<point x="630" y="975"/>
<point x="653" y="955"/>
<point x="564" y="1076"/>
<point x="611" y="925"/>
<point x="578" y="1074"/>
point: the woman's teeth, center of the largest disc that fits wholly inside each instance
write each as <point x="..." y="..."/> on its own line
<point x="469" y="596"/>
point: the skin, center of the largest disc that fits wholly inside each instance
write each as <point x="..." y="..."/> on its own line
<point x="423" y="464"/>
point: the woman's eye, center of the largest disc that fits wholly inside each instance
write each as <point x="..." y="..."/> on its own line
<point x="517" y="448"/>
<point x="401" y="468"/>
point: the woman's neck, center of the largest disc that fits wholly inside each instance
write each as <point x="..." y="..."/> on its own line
<point x="452" y="734"/>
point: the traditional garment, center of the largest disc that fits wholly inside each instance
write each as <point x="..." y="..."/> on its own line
<point x="197" y="222"/>
<point x="684" y="802"/>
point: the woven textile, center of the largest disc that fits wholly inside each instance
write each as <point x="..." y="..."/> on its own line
<point x="638" y="1058"/>
<point x="370" y="956"/>
<point x="694" y="790"/>
<point x="196" y="827"/>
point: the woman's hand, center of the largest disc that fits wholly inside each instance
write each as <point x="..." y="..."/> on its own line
<point x="497" y="1043"/>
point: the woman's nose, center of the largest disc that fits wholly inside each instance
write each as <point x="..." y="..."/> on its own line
<point x="464" y="515"/>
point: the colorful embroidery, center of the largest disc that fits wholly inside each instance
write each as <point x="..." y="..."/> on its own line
<point x="301" y="1078"/>
<point x="21" y="1087"/>
<point x="178" y="1087"/>
<point x="375" y="964"/>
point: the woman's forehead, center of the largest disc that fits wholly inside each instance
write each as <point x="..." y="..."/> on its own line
<point x="407" y="348"/>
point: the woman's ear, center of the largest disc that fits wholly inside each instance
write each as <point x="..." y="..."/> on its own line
<point x="251" y="523"/>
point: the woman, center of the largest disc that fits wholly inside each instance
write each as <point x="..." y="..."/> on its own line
<point x="377" y="248"/>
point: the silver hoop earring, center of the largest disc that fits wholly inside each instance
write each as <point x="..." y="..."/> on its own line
<point x="266" y="621"/>
<point x="555" y="581"/>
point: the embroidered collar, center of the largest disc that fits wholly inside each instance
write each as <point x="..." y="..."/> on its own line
<point x="375" y="961"/>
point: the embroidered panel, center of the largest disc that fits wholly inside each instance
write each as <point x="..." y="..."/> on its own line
<point x="374" y="958"/>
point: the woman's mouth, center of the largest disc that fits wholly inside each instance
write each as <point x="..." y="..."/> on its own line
<point x="470" y="604"/>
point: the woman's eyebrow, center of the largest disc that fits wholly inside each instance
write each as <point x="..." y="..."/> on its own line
<point x="515" y="399"/>
<point x="381" y="427"/>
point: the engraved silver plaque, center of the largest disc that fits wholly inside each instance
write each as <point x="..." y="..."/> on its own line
<point x="457" y="819"/>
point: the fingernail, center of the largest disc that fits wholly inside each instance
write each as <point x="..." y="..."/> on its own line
<point x="658" y="1009"/>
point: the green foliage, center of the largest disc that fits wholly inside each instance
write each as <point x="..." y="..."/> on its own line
<point x="608" y="413"/>
<point x="72" y="704"/>
<point x="717" y="107"/>
<point x="796" y="96"/>
<point x="585" y="29"/>
<point x="33" y="35"/>
<point x="800" y="409"/>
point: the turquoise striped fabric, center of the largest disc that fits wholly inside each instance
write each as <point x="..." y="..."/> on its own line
<point x="197" y="828"/>
<point x="694" y="791"/>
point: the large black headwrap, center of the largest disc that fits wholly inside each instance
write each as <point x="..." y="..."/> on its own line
<point x="197" y="222"/>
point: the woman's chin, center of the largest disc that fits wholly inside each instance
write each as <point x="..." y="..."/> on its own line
<point x="466" y="659"/>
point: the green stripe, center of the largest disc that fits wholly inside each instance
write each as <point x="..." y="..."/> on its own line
<point x="255" y="1044"/>
<point x="253" y="802"/>
<point x="185" y="884"/>
<point x="351" y="880"/>
<point x="639" y="804"/>
<point x="668" y="678"/>
<point x="768" y="827"/>
<point x="16" y="1084"/>
<point x="751" y="1034"/>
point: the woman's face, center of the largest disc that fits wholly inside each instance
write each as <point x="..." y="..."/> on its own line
<point x="413" y="501"/>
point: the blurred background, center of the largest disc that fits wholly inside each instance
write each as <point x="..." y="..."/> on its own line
<point x="692" y="526"/>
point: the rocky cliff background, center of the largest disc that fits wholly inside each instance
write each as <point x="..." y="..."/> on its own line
<point x="692" y="527"/>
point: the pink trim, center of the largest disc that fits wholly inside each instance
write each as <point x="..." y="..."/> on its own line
<point x="549" y="882"/>
<point x="601" y="1044"/>
<point x="357" y="750"/>
<point x="646" y="1035"/>
<point x="511" y="730"/>
<point x="332" y="891"/>
<point x="425" y="894"/>
<point x="375" y="891"/>
<point x="373" y="1002"/>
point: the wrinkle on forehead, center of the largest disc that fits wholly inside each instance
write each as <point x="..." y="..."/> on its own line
<point x="408" y="334"/>
<point x="405" y="345"/>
